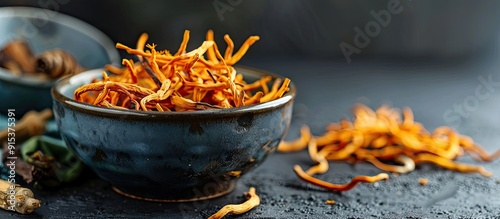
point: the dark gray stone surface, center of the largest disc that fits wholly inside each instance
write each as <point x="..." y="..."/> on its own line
<point x="326" y="91"/>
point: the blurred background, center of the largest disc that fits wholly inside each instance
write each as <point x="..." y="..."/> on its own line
<point x="419" y="53"/>
<point x="421" y="30"/>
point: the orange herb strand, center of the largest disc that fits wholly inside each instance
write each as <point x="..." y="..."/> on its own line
<point x="338" y="187"/>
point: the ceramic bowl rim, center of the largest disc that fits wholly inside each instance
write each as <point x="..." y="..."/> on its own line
<point x="61" y="19"/>
<point x="154" y="115"/>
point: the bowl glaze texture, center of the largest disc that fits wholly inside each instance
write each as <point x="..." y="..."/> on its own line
<point x="44" y="30"/>
<point x="170" y="156"/>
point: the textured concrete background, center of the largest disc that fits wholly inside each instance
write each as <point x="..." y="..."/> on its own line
<point x="327" y="90"/>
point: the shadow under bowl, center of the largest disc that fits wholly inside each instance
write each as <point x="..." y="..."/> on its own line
<point x="44" y="30"/>
<point x="171" y="156"/>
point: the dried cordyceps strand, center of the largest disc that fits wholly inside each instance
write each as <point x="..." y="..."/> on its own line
<point x="218" y="55"/>
<point x="408" y="164"/>
<point x="151" y="73"/>
<point x="209" y="86"/>
<point x="338" y="187"/>
<point x="318" y="157"/>
<point x="330" y="202"/>
<point x="328" y="138"/>
<point x="423" y="181"/>
<point x="191" y="105"/>
<point x="115" y="70"/>
<point x="349" y="149"/>
<point x="299" y="144"/>
<point x="230" y="46"/>
<point x="384" y="153"/>
<point x="273" y="91"/>
<point x="253" y="201"/>
<point x="160" y="95"/>
<point x="282" y="89"/>
<point x="451" y="165"/>
<point x="182" y="47"/>
<point x="243" y="49"/>
<point x="480" y="154"/>
<point x="265" y="88"/>
<point x="211" y="51"/>
<point x="141" y="42"/>
<point x="153" y="65"/>
<point x="131" y="89"/>
<point x="131" y="68"/>
<point x="110" y="105"/>
<point x="254" y="99"/>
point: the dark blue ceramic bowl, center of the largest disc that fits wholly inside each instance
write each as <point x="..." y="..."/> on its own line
<point x="44" y="30"/>
<point x="170" y="156"/>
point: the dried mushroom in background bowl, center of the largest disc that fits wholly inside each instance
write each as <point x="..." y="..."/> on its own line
<point x="36" y="52"/>
<point x="18" y="58"/>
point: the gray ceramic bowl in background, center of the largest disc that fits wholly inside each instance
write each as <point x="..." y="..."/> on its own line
<point x="170" y="156"/>
<point x="44" y="30"/>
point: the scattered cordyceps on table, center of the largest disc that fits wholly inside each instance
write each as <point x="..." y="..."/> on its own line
<point x="184" y="81"/>
<point x="383" y="137"/>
